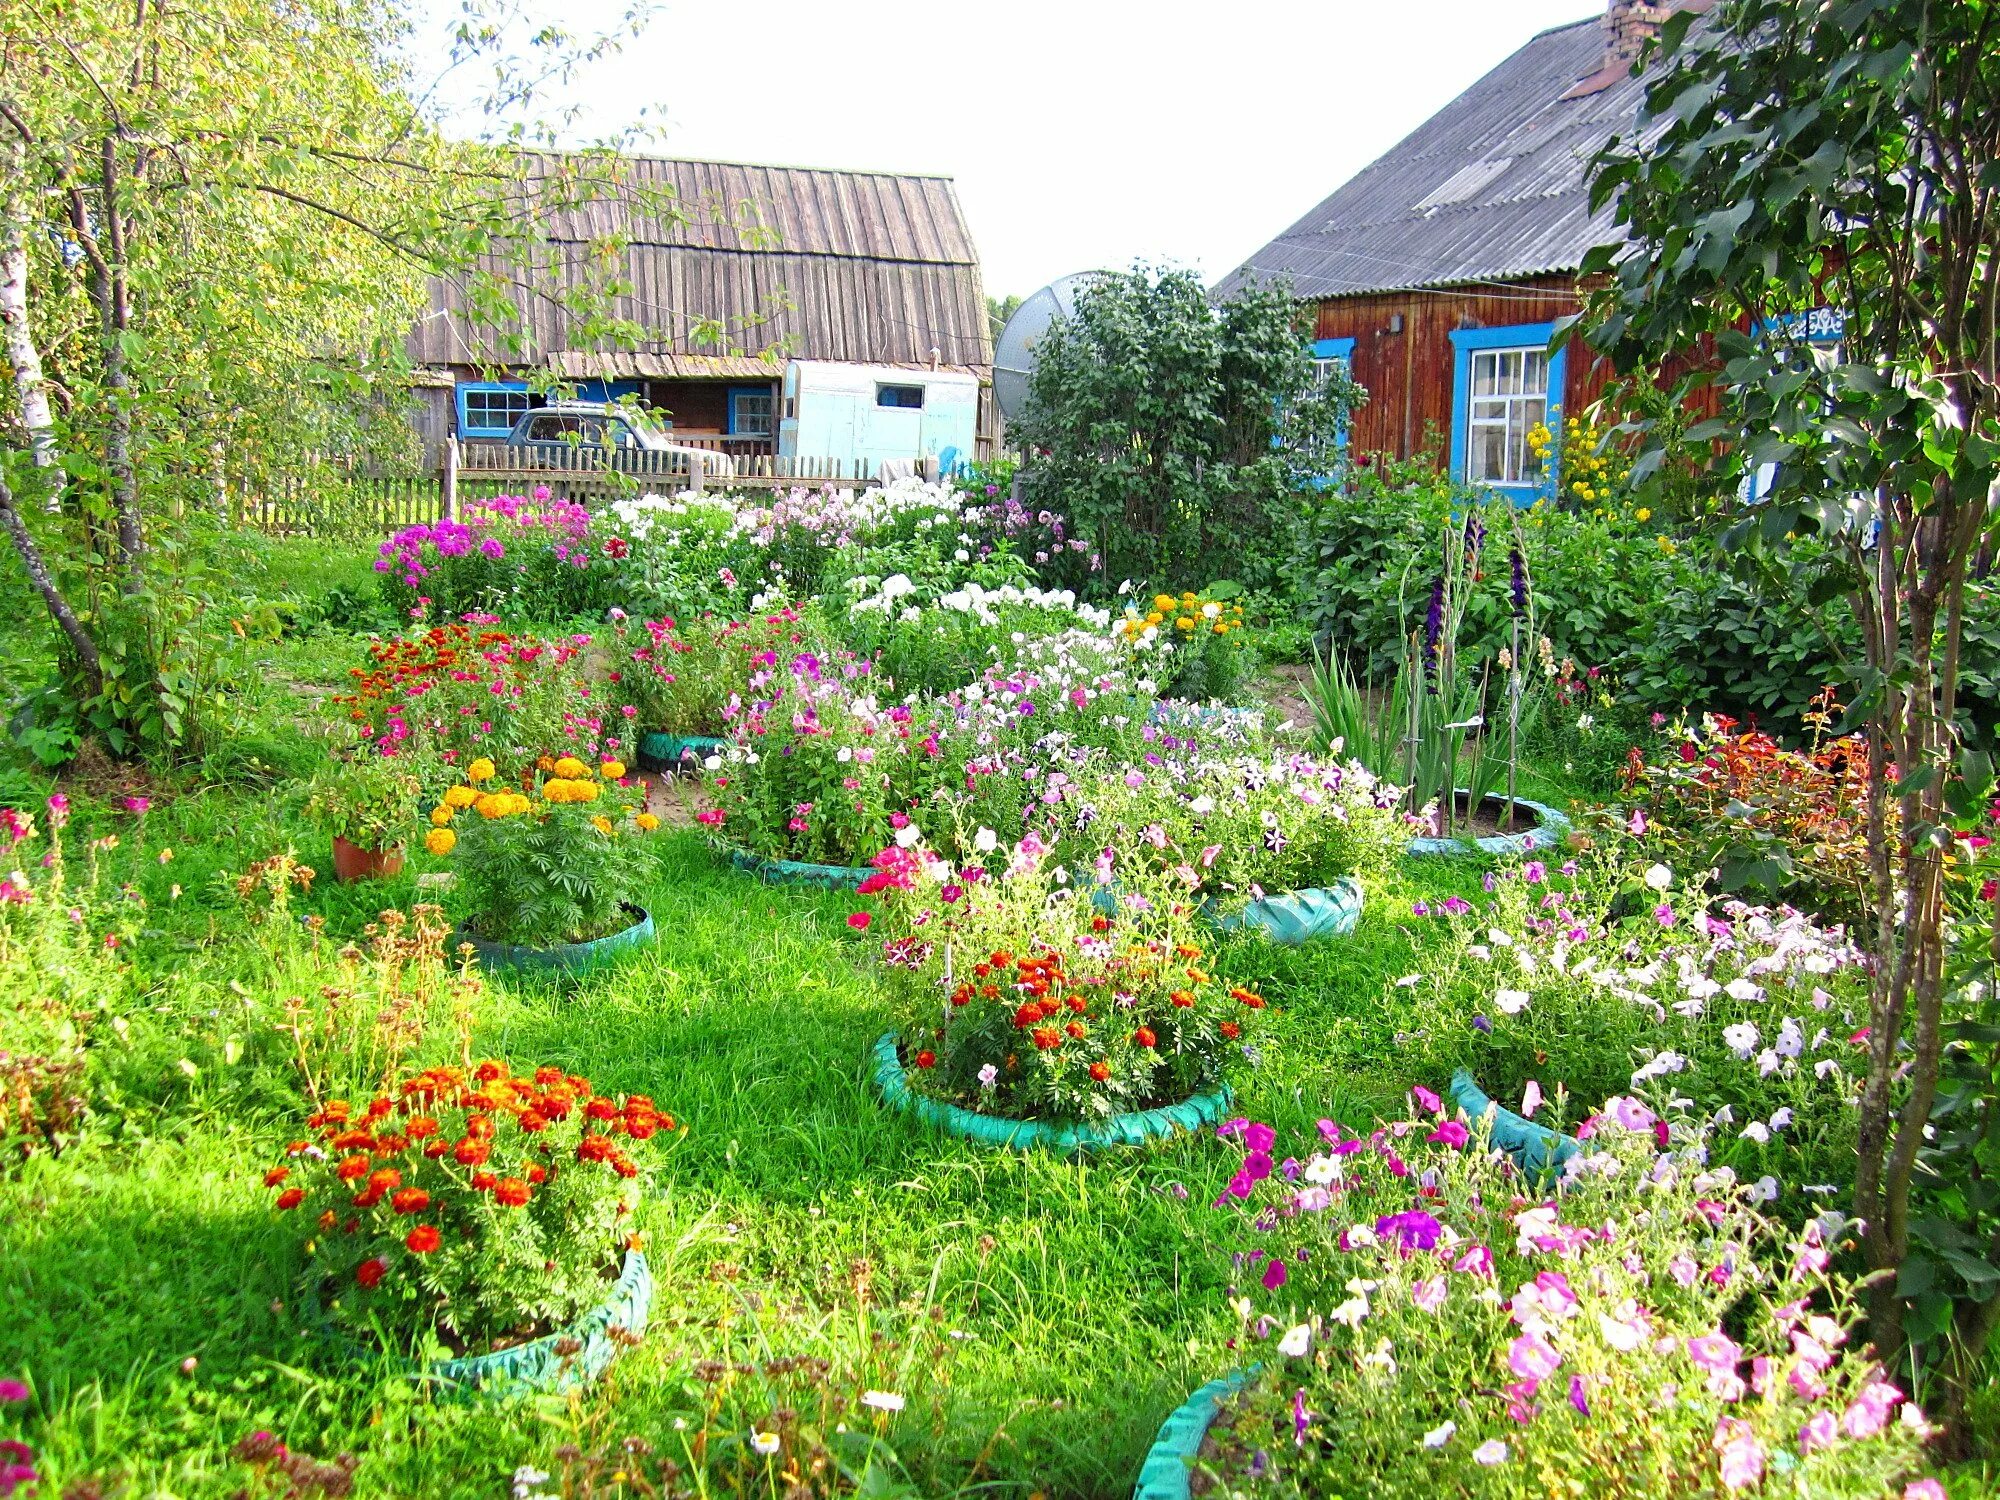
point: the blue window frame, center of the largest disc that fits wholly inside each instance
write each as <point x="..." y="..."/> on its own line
<point x="1505" y="382"/>
<point x="490" y="408"/>
<point x="907" y="397"/>
<point x="751" y="411"/>
<point x="1329" y="354"/>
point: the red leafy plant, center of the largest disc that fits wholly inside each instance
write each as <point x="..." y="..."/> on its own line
<point x="1027" y="992"/>
<point x="483" y="1205"/>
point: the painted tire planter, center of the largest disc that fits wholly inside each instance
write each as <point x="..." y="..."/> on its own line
<point x="1133" y="1129"/>
<point x="1165" y="1473"/>
<point x="351" y="862"/>
<point x="1548" y="831"/>
<point x="1172" y="714"/>
<point x="793" y="872"/>
<point x="1539" y="1152"/>
<point x="676" y="752"/>
<point x="523" y="1368"/>
<point x="565" y="958"/>
<point x="1297" y="917"/>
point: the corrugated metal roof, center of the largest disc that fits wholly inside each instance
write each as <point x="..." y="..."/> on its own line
<point x="855" y="266"/>
<point x="1494" y="187"/>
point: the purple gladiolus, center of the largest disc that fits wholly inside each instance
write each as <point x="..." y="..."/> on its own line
<point x="1519" y="567"/>
<point x="1434" y="628"/>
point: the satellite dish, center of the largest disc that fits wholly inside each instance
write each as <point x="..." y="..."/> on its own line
<point x="1014" y="357"/>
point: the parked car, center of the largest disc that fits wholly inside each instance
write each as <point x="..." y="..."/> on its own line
<point x="573" y="426"/>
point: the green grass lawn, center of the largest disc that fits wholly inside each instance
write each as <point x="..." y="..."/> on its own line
<point x="1039" y="1316"/>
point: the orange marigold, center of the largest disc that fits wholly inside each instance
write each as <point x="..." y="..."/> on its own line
<point x="411" y="1200"/>
<point x="423" y="1239"/>
<point x="511" y="1192"/>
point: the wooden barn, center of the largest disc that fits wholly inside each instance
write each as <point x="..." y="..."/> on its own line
<point x="804" y="268"/>
<point x="1439" y="271"/>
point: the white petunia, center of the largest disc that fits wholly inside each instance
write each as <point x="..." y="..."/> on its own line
<point x="882" y="1400"/>
<point x="1511" y="1002"/>
<point x="1659" y="877"/>
<point x="1296" y="1341"/>
<point x="1438" y="1436"/>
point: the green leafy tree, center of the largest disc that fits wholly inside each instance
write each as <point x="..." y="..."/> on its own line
<point x="1170" y="429"/>
<point x="217" y="222"/>
<point x="1843" y="155"/>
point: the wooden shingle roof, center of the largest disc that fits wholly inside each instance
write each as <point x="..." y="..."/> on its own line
<point x="871" y="267"/>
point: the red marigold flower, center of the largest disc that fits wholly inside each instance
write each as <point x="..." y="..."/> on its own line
<point x="538" y="1173"/>
<point x="1047" y="1037"/>
<point x="511" y="1192"/>
<point x="533" y="1120"/>
<point x="1231" y="1030"/>
<point x="411" y="1200"/>
<point x="594" y="1148"/>
<point x="479" y="1127"/>
<point x="435" y="1149"/>
<point x="291" y="1197"/>
<point x="489" y="1070"/>
<point x="484" y="1182"/>
<point x="421" y="1127"/>
<point x="859" y="920"/>
<point x="546" y="1075"/>
<point x="643" y="1128"/>
<point x="623" y="1167"/>
<point x="369" y="1272"/>
<point x="471" y="1153"/>
<point x="1144" y="1037"/>
<point x="328" y="1219"/>
<point x="600" y="1109"/>
<point x="351" y="1168"/>
<point x="385" y="1180"/>
<point x="1075" y="1030"/>
<point x="276" y="1175"/>
<point x="368" y="1198"/>
<point x="423" y="1239"/>
<point x="927" y="1059"/>
<point x="1100" y="1071"/>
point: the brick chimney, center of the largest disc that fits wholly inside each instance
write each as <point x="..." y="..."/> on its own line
<point x="1628" y="26"/>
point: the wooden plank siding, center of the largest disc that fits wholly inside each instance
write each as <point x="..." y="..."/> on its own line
<point x="1409" y="375"/>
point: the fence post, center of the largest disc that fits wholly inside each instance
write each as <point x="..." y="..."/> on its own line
<point x="451" y="478"/>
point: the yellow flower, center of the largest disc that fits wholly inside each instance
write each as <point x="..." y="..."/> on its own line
<point x="571" y="767"/>
<point x="556" y="789"/>
<point x="440" y="816"/>
<point x="460" y="796"/>
<point x="480" y="770"/>
<point x="586" y="791"/>
<point x="1154" y="618"/>
<point x="612" y="769"/>
<point x="545" y="764"/>
<point x="517" y="803"/>
<point x="647" y="821"/>
<point x="491" y="805"/>
<point x="440" y="840"/>
<point x="601" y="823"/>
<point x="1642" y="514"/>
<point x="1162" y="603"/>
<point x="1220" y="629"/>
<point x="1185" y="622"/>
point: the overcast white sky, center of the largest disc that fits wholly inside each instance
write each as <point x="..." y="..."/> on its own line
<point x="1082" y="133"/>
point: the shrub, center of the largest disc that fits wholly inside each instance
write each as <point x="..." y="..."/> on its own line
<point x="476" y="1203"/>
<point x="681" y="555"/>
<point x="369" y="802"/>
<point x="560" y="866"/>
<point x="937" y="646"/>
<point x="1428" y="1321"/>
<point x="1773" y="824"/>
<point x="1052" y="1003"/>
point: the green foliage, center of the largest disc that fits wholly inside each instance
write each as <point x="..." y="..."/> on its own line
<point x="370" y="802"/>
<point x="561" y="867"/>
<point x="1164" y="428"/>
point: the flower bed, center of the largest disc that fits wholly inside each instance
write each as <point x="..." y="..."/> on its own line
<point x="463" y="1207"/>
<point x="1550" y="826"/>
<point x="1170" y="1461"/>
<point x="1133" y="1128"/>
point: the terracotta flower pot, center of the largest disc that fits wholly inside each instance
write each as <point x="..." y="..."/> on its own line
<point x="351" y="862"/>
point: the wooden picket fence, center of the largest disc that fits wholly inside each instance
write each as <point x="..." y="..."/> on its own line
<point x="354" y="502"/>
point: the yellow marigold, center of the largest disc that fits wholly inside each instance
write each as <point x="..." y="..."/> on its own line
<point x="555" y="789"/>
<point x="1219" y="628"/>
<point x="460" y="796"/>
<point x="480" y="770"/>
<point x="545" y="763"/>
<point x="517" y="803"/>
<point x="601" y="823"/>
<point x="440" y="841"/>
<point x="440" y="816"/>
<point x="586" y="791"/>
<point x="1185" y="622"/>
<point x="612" y="769"/>
<point x="1643" y="513"/>
<point x="569" y="766"/>
<point x="491" y="805"/>
<point x="1163" y="602"/>
<point x="647" y="822"/>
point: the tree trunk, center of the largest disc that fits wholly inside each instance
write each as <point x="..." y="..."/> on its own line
<point x="30" y="385"/>
<point x="115" y="315"/>
<point x="45" y="585"/>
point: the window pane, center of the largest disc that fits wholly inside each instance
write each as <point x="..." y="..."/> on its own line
<point x="1536" y="381"/>
<point x="1482" y="374"/>
<point x="1487" y="460"/>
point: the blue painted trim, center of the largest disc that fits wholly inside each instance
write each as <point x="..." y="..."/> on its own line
<point x="608" y="391"/>
<point x="465" y="429"/>
<point x="1464" y="341"/>
<point x="1831" y="329"/>
<point x="1547" y="834"/>
<point x="1170" y="1461"/>
<point x="1334" y="349"/>
<point x="751" y="390"/>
